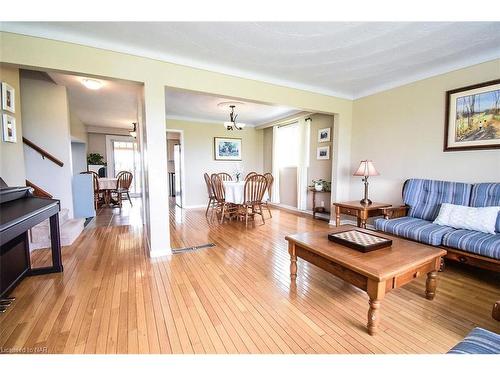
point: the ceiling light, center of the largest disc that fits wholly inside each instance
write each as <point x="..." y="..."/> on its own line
<point x="92" y="84"/>
<point x="232" y="124"/>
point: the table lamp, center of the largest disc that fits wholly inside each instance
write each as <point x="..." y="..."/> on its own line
<point x="366" y="169"/>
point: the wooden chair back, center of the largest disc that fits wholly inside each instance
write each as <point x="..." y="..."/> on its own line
<point x="208" y="182"/>
<point x="124" y="180"/>
<point x="250" y="174"/>
<point x="270" y="180"/>
<point x="225" y="176"/>
<point x="255" y="187"/>
<point x="119" y="173"/>
<point x="218" y="187"/>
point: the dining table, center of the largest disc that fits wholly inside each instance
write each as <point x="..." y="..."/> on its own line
<point x="106" y="185"/>
<point x="235" y="192"/>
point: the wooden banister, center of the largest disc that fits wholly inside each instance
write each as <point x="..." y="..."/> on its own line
<point x="38" y="191"/>
<point x="42" y="152"/>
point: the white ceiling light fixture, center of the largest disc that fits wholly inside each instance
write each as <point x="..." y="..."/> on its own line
<point x="232" y="124"/>
<point x="92" y="84"/>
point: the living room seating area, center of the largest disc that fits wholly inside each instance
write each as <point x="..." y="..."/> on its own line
<point x="423" y="199"/>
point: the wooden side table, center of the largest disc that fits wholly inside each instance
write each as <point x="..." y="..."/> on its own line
<point x="319" y="209"/>
<point x="360" y="211"/>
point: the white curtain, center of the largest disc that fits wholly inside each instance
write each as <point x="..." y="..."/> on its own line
<point x="275" y="198"/>
<point x="303" y="162"/>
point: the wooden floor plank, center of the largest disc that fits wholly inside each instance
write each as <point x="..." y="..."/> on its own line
<point x="233" y="298"/>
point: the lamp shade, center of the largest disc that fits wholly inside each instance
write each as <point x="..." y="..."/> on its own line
<point x="366" y="168"/>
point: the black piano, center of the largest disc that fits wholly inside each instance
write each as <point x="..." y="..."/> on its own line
<point x="19" y="212"/>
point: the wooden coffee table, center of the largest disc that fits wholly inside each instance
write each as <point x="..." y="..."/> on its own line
<point x="376" y="272"/>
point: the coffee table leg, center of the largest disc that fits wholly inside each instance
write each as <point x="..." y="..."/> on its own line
<point x="293" y="261"/>
<point x="376" y="292"/>
<point x="430" y="285"/>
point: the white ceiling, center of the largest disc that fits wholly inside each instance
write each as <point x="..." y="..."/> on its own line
<point x="183" y="104"/>
<point x="114" y="105"/>
<point x="348" y="59"/>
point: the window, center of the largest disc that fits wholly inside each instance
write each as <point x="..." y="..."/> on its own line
<point x="126" y="158"/>
<point x="288" y="146"/>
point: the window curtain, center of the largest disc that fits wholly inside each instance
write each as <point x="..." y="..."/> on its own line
<point x="275" y="194"/>
<point x="303" y="162"/>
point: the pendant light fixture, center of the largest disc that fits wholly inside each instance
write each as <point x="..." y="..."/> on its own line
<point x="232" y="124"/>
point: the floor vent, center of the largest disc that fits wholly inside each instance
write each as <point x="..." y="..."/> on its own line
<point x="192" y="248"/>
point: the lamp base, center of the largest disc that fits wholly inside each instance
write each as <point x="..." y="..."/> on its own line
<point x="365" y="201"/>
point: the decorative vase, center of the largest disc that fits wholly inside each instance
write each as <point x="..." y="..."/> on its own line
<point x="318" y="187"/>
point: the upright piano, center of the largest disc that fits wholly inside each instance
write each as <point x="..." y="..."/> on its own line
<point x="19" y="212"/>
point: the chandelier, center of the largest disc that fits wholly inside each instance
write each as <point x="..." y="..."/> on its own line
<point x="232" y="124"/>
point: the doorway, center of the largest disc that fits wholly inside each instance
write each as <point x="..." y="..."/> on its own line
<point x="123" y="155"/>
<point x="175" y="167"/>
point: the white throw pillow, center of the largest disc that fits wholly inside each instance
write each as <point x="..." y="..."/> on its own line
<point x="482" y="219"/>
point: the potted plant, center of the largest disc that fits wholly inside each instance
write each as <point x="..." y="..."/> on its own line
<point x="321" y="185"/>
<point x="95" y="159"/>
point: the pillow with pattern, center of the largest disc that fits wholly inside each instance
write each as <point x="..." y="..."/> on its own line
<point x="482" y="219"/>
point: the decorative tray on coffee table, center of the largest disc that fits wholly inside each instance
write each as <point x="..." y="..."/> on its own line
<point x="358" y="240"/>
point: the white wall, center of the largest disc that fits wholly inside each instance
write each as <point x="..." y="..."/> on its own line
<point x="78" y="157"/>
<point x="46" y="123"/>
<point x="11" y="154"/>
<point x="198" y="145"/>
<point x="402" y="131"/>
<point x="77" y="128"/>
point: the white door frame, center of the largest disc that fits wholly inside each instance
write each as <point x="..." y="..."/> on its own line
<point x="183" y="170"/>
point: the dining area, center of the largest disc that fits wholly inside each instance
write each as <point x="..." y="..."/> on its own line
<point x="111" y="191"/>
<point x="232" y="199"/>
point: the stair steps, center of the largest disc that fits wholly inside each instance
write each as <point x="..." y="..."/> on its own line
<point x="69" y="230"/>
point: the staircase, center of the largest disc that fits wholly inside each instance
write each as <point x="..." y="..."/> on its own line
<point x="69" y="229"/>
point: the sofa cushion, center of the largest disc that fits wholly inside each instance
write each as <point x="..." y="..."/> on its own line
<point x="424" y="197"/>
<point x="481" y="219"/>
<point x="478" y="341"/>
<point x="484" y="195"/>
<point x="480" y="243"/>
<point x="414" y="229"/>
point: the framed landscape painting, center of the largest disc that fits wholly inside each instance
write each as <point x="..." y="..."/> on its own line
<point x="473" y="117"/>
<point x="227" y="148"/>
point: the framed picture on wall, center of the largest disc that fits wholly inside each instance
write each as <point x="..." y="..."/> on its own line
<point x="324" y="135"/>
<point x="473" y="117"/>
<point x="323" y="153"/>
<point x="8" y="98"/>
<point x="9" y="128"/>
<point x="227" y="148"/>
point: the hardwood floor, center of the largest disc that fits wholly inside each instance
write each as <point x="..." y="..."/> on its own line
<point x="232" y="298"/>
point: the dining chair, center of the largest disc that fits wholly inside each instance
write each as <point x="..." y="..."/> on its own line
<point x="250" y="174"/>
<point x="123" y="182"/>
<point x="255" y="187"/>
<point x="225" y="176"/>
<point x="220" y="197"/>
<point x="210" y="192"/>
<point x="98" y="199"/>
<point x="270" y="180"/>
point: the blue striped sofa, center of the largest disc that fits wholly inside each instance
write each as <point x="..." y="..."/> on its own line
<point x="423" y="198"/>
<point x="478" y="341"/>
